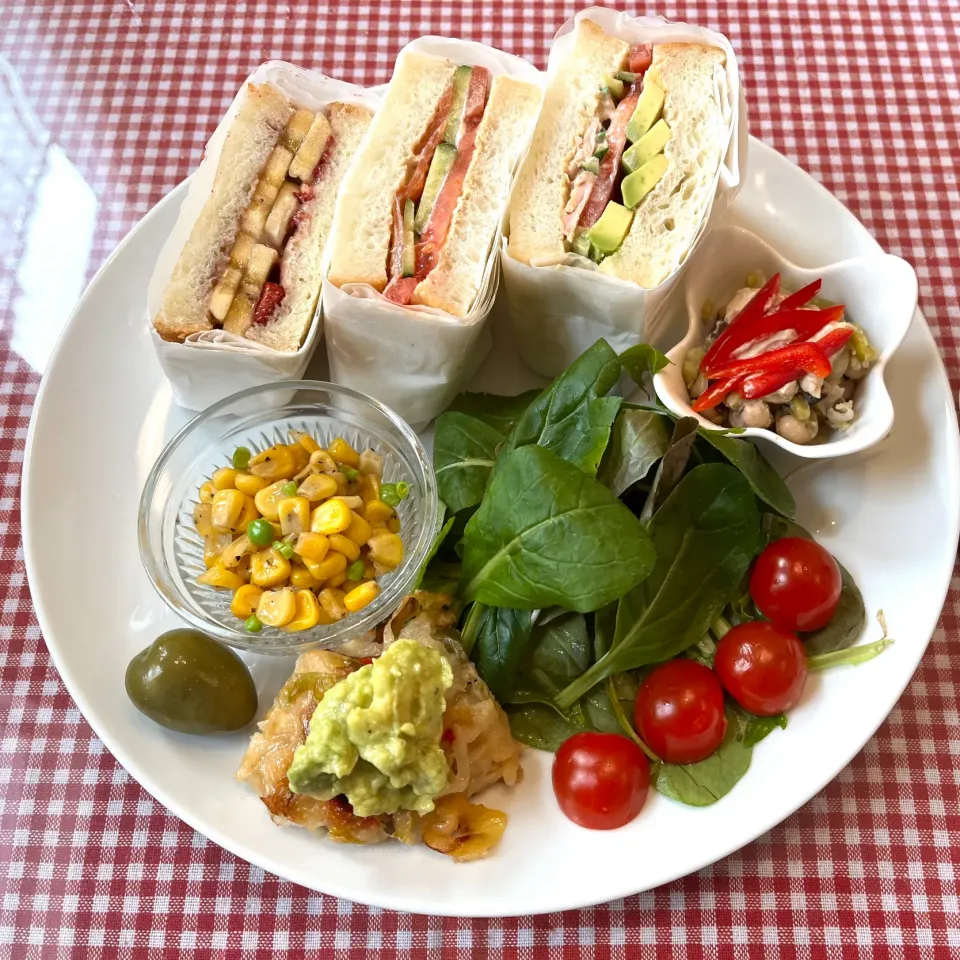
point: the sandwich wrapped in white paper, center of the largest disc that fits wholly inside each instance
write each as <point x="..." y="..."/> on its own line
<point x="414" y="260"/>
<point x="588" y="254"/>
<point x="234" y="300"/>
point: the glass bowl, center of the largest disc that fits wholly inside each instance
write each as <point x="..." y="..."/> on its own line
<point x="172" y="550"/>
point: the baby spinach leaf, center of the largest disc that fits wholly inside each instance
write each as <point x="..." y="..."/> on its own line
<point x="546" y="534"/>
<point x="701" y="784"/>
<point x="495" y="411"/>
<point x="464" y="451"/>
<point x="705" y="537"/>
<point x="849" y="657"/>
<point x="767" y="484"/>
<point x="851" y="615"/>
<point x="672" y="466"/>
<point x="540" y="726"/>
<point x="639" y="439"/>
<point x="760" y="727"/>
<point x="642" y="360"/>
<point x="501" y="642"/>
<point x="573" y="416"/>
<point x="437" y="543"/>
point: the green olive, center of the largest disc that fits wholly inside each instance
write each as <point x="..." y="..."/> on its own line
<point x="187" y="682"/>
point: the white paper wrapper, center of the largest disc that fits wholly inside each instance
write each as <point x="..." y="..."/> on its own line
<point x="211" y="365"/>
<point x="559" y="310"/>
<point x="416" y="359"/>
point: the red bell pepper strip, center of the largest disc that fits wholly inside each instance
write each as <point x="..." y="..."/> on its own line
<point x="803" y="323"/>
<point x="761" y="384"/>
<point x="833" y="341"/>
<point x="808" y="357"/>
<point x="715" y="394"/>
<point x="641" y="56"/>
<point x="802" y="297"/>
<point x="740" y="331"/>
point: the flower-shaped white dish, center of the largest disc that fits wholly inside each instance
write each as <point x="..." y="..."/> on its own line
<point x="879" y="292"/>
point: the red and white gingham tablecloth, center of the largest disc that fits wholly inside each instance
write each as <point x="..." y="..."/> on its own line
<point x="124" y="93"/>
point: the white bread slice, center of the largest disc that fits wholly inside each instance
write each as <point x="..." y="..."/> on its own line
<point x="301" y="272"/>
<point x="249" y="142"/>
<point x="508" y="119"/>
<point x="667" y="220"/>
<point x="542" y="187"/>
<point x="364" y="213"/>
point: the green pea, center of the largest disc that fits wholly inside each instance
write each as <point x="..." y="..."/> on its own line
<point x="289" y="488"/>
<point x="389" y="494"/>
<point x="253" y="624"/>
<point x="241" y="458"/>
<point x="260" y="532"/>
<point x="350" y="473"/>
<point x="356" y="570"/>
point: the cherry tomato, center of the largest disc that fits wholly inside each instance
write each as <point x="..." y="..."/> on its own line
<point x="600" y="780"/>
<point x="679" y="711"/>
<point x="796" y="584"/>
<point x="762" y="667"/>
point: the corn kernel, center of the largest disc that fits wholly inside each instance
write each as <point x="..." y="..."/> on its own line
<point x="347" y="585"/>
<point x="301" y="456"/>
<point x="358" y="598"/>
<point x="249" y="484"/>
<point x="370" y="488"/>
<point x="393" y="524"/>
<point x="334" y="516"/>
<point x="234" y="554"/>
<point x="322" y="462"/>
<point x="242" y="569"/>
<point x="386" y="550"/>
<point x="330" y="566"/>
<point x="245" y="601"/>
<point x="377" y="513"/>
<point x="332" y="602"/>
<point x="307" y="613"/>
<point x="224" y="478"/>
<point x="318" y="486"/>
<point x="202" y="519"/>
<point x="371" y="463"/>
<point x="249" y="512"/>
<point x="213" y="546"/>
<point x="344" y="545"/>
<point x="227" y="507"/>
<point x="207" y="492"/>
<point x="343" y="488"/>
<point x="274" y="463"/>
<point x="342" y="452"/>
<point x="303" y="579"/>
<point x="359" y="530"/>
<point x="269" y="568"/>
<point x="220" y="577"/>
<point x="277" y="607"/>
<point x="308" y="443"/>
<point x="338" y="580"/>
<point x="369" y="569"/>
<point x="294" y="515"/>
<point x="268" y="500"/>
<point x="312" y="546"/>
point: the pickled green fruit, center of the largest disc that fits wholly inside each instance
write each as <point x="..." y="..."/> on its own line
<point x="187" y="682"/>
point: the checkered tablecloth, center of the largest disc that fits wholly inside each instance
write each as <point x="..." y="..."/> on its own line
<point x="862" y="94"/>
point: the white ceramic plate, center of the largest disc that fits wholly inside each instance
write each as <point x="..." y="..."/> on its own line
<point x="104" y="413"/>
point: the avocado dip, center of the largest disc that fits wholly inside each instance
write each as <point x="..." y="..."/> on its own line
<point x="375" y="736"/>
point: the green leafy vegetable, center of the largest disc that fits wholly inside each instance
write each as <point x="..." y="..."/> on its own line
<point x="672" y="466"/>
<point x="547" y="534"/>
<point x="436" y="545"/>
<point x="642" y="360"/>
<point x="501" y="642"/>
<point x="573" y="416"/>
<point x="767" y="484"/>
<point x="701" y="784"/>
<point x="495" y="411"/>
<point x="540" y="726"/>
<point x="705" y="536"/>
<point x="760" y="727"/>
<point x="850" y="618"/>
<point x="464" y="451"/>
<point x="850" y="657"/>
<point x="639" y="439"/>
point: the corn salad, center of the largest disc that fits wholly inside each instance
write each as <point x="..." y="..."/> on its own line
<point x="299" y="533"/>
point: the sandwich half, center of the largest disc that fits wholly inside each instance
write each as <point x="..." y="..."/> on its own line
<point x="624" y="159"/>
<point x="423" y="203"/>
<point x="253" y="261"/>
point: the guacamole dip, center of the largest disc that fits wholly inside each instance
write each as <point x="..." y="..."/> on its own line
<point x="375" y="735"/>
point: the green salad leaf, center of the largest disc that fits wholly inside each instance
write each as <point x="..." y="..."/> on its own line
<point x="760" y="727"/>
<point x="638" y="441"/>
<point x="672" y="466"/>
<point x="547" y="534"/>
<point x="464" y="451"/>
<point x="495" y="411"/>
<point x="573" y="416"/>
<point x="501" y="641"/>
<point x="705" y="537"/>
<point x="642" y="361"/>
